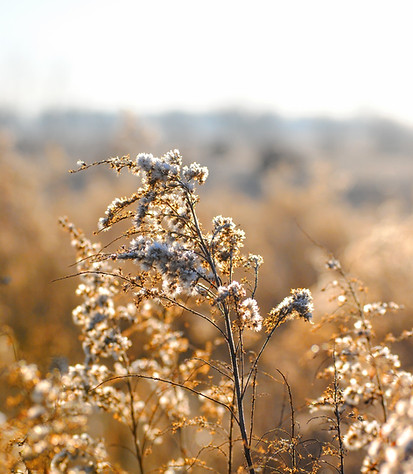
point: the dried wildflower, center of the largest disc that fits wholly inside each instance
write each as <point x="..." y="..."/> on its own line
<point x="179" y="266"/>
<point x="254" y="260"/>
<point x="361" y="433"/>
<point x="115" y="212"/>
<point x="169" y="265"/>
<point x="380" y="308"/>
<point x="298" y="304"/>
<point x="157" y="170"/>
<point x="372" y="387"/>
<point x="45" y="434"/>
<point x="226" y="242"/>
<point x="393" y="447"/>
<point x="234" y="290"/>
<point x="195" y="172"/>
<point x="250" y="315"/>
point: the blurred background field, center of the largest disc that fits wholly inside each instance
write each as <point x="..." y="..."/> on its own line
<point x="333" y="171"/>
<point x="276" y="177"/>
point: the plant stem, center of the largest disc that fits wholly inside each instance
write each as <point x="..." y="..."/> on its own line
<point x="231" y="429"/>
<point x="337" y="413"/>
<point x="134" y="428"/>
<point x="239" y="396"/>
<point x="369" y="345"/>
<point x="292" y="411"/>
<point x="230" y="341"/>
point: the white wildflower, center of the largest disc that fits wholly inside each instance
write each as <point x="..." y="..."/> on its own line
<point x="195" y="172"/>
<point x="234" y="290"/>
<point x="380" y="308"/>
<point x="249" y="314"/>
<point x="299" y="303"/>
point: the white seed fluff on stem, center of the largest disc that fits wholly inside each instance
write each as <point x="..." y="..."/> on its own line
<point x="299" y="303"/>
<point x="234" y="290"/>
<point x="250" y="314"/>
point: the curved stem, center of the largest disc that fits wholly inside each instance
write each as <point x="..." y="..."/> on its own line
<point x="134" y="429"/>
<point x="254" y="365"/>
<point x="170" y="382"/>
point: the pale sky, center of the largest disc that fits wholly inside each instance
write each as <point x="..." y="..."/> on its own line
<point x="294" y="57"/>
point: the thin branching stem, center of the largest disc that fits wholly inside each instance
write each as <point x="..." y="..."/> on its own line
<point x="230" y="436"/>
<point x="255" y="363"/>
<point x="255" y="281"/>
<point x="253" y="400"/>
<point x="231" y="345"/>
<point x="292" y="412"/>
<point x="170" y="382"/>
<point x="337" y="414"/>
<point x="196" y="313"/>
<point x="134" y="428"/>
<point x="213" y="367"/>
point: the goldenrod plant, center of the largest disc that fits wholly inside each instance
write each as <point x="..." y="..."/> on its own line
<point x="188" y="403"/>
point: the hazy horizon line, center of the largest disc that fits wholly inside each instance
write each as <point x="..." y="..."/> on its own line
<point x="241" y="110"/>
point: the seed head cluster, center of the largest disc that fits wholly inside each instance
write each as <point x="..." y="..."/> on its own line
<point x="142" y="298"/>
<point x="370" y="395"/>
<point x="298" y="305"/>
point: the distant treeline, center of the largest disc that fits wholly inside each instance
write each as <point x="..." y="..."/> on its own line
<point x="375" y="153"/>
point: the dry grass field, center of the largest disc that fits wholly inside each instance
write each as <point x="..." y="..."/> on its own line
<point x="156" y="339"/>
